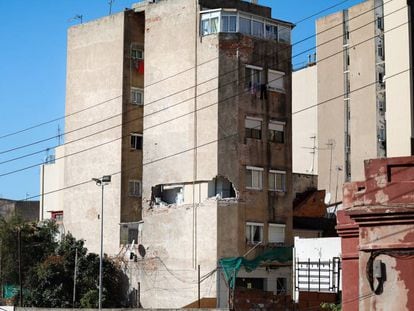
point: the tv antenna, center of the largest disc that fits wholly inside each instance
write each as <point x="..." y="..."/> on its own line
<point x="110" y="2"/>
<point x="78" y="17"/>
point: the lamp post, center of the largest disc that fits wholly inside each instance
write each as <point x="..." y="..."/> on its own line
<point x="102" y="182"/>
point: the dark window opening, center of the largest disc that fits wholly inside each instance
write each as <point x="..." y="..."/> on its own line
<point x="256" y="283"/>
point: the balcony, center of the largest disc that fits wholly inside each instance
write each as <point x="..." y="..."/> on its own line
<point x="233" y="21"/>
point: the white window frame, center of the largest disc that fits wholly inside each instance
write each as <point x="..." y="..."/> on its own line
<point x="277" y="124"/>
<point x="255" y="169"/>
<point x="246" y="126"/>
<point x="275" y="173"/>
<point x="137" y="185"/>
<point x="271" y="86"/>
<point x="209" y="16"/>
<point x="250" y="80"/>
<point x="135" y="57"/>
<point x="281" y="239"/>
<point x="228" y="15"/>
<point x="250" y="233"/>
<point x="135" y="90"/>
<point x="134" y="146"/>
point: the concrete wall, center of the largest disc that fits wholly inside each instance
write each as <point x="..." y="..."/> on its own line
<point x="53" y="180"/>
<point x="171" y="128"/>
<point x="305" y="121"/>
<point x="167" y="274"/>
<point x="27" y="210"/>
<point x="362" y="68"/>
<point x="399" y="86"/>
<point x="94" y="75"/>
<point x="376" y="226"/>
<point x="331" y="104"/>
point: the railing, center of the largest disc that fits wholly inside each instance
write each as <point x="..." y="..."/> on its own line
<point x="320" y="276"/>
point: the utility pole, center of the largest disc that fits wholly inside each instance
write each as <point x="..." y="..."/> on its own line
<point x="199" y="285"/>
<point x="1" y="261"/>
<point x="74" y="278"/>
<point x="19" y="253"/>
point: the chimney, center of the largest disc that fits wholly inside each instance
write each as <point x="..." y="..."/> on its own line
<point x="254" y="1"/>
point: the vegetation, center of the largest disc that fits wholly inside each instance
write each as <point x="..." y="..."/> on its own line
<point x="331" y="306"/>
<point x="47" y="268"/>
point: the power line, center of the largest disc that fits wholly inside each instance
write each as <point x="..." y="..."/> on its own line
<point x="159" y="159"/>
<point x="99" y="104"/>
<point x="100" y="121"/>
<point x="205" y="107"/>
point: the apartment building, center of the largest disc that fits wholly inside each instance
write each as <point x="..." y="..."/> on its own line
<point x="103" y="134"/>
<point x="217" y="154"/>
<point x="206" y="172"/>
<point x="364" y="90"/>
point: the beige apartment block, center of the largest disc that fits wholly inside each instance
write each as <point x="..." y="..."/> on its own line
<point x="217" y="145"/>
<point x="305" y="120"/>
<point x="103" y="134"/>
<point x="364" y="106"/>
<point x="212" y="154"/>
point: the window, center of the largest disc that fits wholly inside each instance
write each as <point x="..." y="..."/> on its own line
<point x="57" y="216"/>
<point x="277" y="132"/>
<point x="245" y="25"/>
<point x="380" y="23"/>
<point x="253" y="78"/>
<point x="254" y="232"/>
<point x="229" y="23"/>
<point x="254" y="177"/>
<point x="136" y="141"/>
<point x="281" y="286"/>
<point x="137" y="96"/>
<point x="276" y="80"/>
<point x="137" y="53"/>
<point x="134" y="188"/>
<point x="277" y="233"/>
<point x="271" y="32"/>
<point x="284" y="34"/>
<point x="253" y="128"/>
<point x="258" y="30"/>
<point x="210" y="23"/>
<point x="380" y="50"/>
<point x="277" y="181"/>
<point x="131" y="233"/>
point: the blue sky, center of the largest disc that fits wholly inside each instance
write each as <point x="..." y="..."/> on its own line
<point x="33" y="71"/>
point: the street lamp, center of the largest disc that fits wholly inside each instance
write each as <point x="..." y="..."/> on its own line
<point x="105" y="180"/>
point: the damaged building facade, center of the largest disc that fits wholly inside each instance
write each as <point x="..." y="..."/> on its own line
<point x="217" y="148"/>
<point x="205" y="172"/>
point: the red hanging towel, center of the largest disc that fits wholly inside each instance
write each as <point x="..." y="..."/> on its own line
<point x="139" y="66"/>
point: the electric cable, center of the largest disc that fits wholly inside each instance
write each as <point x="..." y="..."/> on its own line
<point x="237" y="94"/>
<point x="98" y="104"/>
<point x="168" y="107"/>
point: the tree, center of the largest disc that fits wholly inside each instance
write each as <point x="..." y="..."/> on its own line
<point x="48" y="269"/>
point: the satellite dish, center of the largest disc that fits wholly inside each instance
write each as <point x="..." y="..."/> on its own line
<point x="141" y="250"/>
<point x="327" y="199"/>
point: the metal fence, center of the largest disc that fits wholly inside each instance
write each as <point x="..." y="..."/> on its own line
<point x="318" y="276"/>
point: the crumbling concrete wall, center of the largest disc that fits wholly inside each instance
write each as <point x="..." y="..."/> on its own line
<point x="377" y="230"/>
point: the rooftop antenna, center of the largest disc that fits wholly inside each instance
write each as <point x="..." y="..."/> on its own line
<point x="76" y="17"/>
<point x="59" y="136"/>
<point x="110" y="2"/>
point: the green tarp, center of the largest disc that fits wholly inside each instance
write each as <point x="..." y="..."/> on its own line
<point x="231" y="266"/>
<point x="9" y="291"/>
